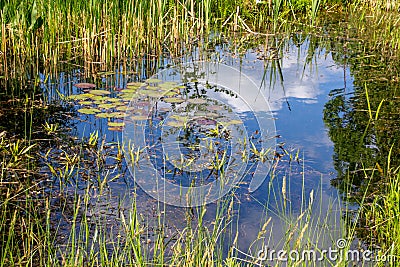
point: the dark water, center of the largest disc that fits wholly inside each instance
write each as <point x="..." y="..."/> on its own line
<point x="296" y="89"/>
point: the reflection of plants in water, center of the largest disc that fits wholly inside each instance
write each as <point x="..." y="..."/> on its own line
<point x="364" y="126"/>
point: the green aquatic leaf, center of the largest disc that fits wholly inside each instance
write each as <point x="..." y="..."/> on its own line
<point x="212" y="115"/>
<point x="174" y="123"/>
<point x="88" y="111"/>
<point x="106" y="106"/>
<point x="152" y="80"/>
<point x="116" y="124"/>
<point x="138" y="117"/>
<point x="101" y="115"/>
<point x="80" y="96"/>
<point x="176" y="100"/>
<point x="230" y="122"/>
<point x="116" y="129"/>
<point x="214" y="107"/>
<point x="170" y="93"/>
<point x="117" y="115"/>
<point x="180" y="117"/>
<point x="135" y="84"/>
<point x="101" y="98"/>
<point x="85" y="102"/>
<point x="129" y="90"/>
<point x="124" y="108"/>
<point x="99" y="92"/>
<point x="167" y="85"/>
<point x="150" y="93"/>
<point x="197" y="101"/>
<point x="85" y="85"/>
<point x="115" y="100"/>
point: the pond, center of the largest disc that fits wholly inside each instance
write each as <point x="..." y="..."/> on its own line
<point x="194" y="118"/>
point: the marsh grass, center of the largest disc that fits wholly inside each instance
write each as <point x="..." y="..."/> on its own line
<point x="79" y="224"/>
<point x="46" y="33"/>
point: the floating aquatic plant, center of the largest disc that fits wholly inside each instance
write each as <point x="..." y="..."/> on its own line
<point x="197" y="101"/>
<point x="99" y="92"/>
<point x="88" y="111"/>
<point x="116" y="124"/>
<point x="175" y="100"/>
<point x="85" y="85"/>
<point x="152" y="80"/>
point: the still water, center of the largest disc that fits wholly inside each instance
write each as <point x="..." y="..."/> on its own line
<point x="294" y="87"/>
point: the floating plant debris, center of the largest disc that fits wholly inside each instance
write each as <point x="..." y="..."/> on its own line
<point x="85" y="85"/>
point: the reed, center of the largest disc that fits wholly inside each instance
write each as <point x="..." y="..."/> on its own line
<point x="48" y="33"/>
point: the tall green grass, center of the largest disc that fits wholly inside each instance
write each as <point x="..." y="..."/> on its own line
<point x="48" y="33"/>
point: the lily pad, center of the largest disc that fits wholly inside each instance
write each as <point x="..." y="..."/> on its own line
<point x="214" y="107"/>
<point x="99" y="92"/>
<point x="197" y="101"/>
<point x="154" y="88"/>
<point x="180" y="117"/>
<point x="124" y="108"/>
<point x="129" y="96"/>
<point x="176" y="100"/>
<point x="138" y="118"/>
<point x="116" y="124"/>
<point x="151" y="93"/>
<point x="88" y="111"/>
<point x="99" y="97"/>
<point x="230" y="122"/>
<point x="152" y="80"/>
<point x="106" y="106"/>
<point x="117" y="115"/>
<point x="129" y="90"/>
<point x="85" y="102"/>
<point x="102" y="115"/>
<point x="115" y="100"/>
<point x="116" y="129"/>
<point x="135" y="84"/>
<point x="174" y="123"/>
<point x="85" y="85"/>
<point x="167" y="85"/>
<point x="171" y="93"/>
<point x="80" y="96"/>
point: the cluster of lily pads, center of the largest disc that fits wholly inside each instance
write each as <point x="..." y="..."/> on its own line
<point x="114" y="105"/>
<point x="136" y="101"/>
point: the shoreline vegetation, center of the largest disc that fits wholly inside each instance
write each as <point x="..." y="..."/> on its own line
<point x="47" y="33"/>
<point x="40" y="36"/>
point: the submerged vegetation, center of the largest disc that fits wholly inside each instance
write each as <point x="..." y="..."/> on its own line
<point x="53" y="183"/>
